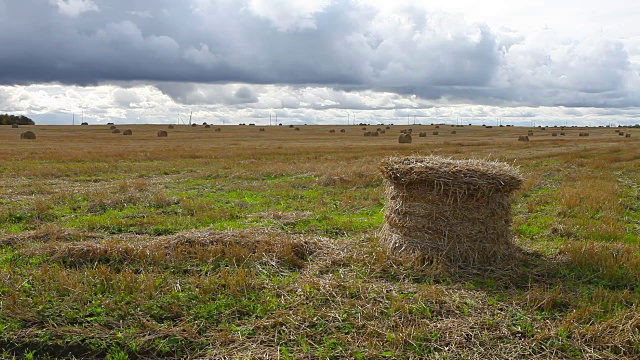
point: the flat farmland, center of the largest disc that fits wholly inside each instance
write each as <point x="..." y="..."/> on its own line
<point x="243" y="243"/>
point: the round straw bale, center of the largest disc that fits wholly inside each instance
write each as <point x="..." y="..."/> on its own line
<point x="171" y="126"/>
<point x="454" y="132"/>
<point x="379" y="129"/>
<point x="162" y="133"/>
<point x="261" y="129"/>
<point x="193" y="125"/>
<point x="368" y="133"/>
<point x="332" y="131"/>
<point x="297" y="129"/>
<point x="116" y="131"/>
<point x="343" y="130"/>
<point x="523" y="138"/>
<point x="437" y="126"/>
<point x="554" y="134"/>
<point x="562" y="133"/>
<point x="29" y="135"/>
<point x="375" y="133"/>
<point x="207" y="126"/>
<point x="112" y="127"/>
<point x="435" y="133"/>
<point x="217" y="130"/>
<point x="127" y="132"/>
<point x="290" y="126"/>
<point x="388" y="128"/>
<point x="621" y="133"/>
<point x="627" y="135"/>
<point x="405" y="139"/>
<point x="422" y="134"/>
<point x="458" y="211"/>
<point x="15" y="126"/>
<point x="364" y="128"/>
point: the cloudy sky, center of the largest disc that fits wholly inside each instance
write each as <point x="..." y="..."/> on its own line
<point x="321" y="61"/>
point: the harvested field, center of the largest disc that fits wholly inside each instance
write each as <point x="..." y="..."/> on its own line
<point x="248" y="244"/>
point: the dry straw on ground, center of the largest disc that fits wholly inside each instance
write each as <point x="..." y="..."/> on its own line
<point x="435" y="133"/>
<point x="455" y="211"/>
<point x="29" y="135"/>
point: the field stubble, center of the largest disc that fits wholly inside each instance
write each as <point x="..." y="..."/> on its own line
<point x="245" y="243"/>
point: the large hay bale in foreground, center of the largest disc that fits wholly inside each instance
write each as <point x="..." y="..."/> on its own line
<point x="162" y="133"/>
<point x="29" y="135"/>
<point x="458" y="211"/>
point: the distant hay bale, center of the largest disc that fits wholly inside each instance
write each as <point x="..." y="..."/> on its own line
<point x="523" y="138"/>
<point x="388" y="128"/>
<point x="368" y="133"/>
<point x="217" y="130"/>
<point x="116" y="131"/>
<point x="332" y="131"/>
<point x="456" y="211"/>
<point x="405" y="139"/>
<point x="29" y="135"/>
<point x="297" y="129"/>
<point x="375" y="133"/>
<point x="437" y="126"/>
<point x="454" y="132"/>
<point x="171" y="126"/>
<point x="112" y="127"/>
<point x="436" y="133"/>
<point x="162" y="133"/>
<point x="617" y="131"/>
<point x="15" y="126"/>
<point x="422" y="134"/>
<point x="554" y="134"/>
<point x="379" y="129"/>
<point x="489" y="127"/>
<point x="621" y="133"/>
<point x="207" y="126"/>
<point x="261" y="129"/>
<point x="364" y="128"/>
<point x="562" y="133"/>
<point x="583" y="134"/>
<point x="530" y="133"/>
<point x="193" y="125"/>
<point x="290" y="126"/>
<point x="627" y="135"/>
<point x="127" y="132"/>
<point x="343" y="130"/>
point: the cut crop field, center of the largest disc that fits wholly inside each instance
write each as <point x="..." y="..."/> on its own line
<point x="240" y="243"/>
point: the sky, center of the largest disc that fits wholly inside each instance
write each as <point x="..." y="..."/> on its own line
<point x="321" y="61"/>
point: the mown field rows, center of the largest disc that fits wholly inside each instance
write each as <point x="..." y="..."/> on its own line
<point x="263" y="244"/>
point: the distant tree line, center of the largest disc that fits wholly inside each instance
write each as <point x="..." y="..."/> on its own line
<point x="6" y="119"/>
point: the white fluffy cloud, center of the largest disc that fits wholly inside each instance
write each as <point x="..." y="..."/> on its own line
<point x="74" y="7"/>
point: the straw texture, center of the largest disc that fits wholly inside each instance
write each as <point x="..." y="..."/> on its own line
<point x="458" y="211"/>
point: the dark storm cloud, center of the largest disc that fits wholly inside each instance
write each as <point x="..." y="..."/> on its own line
<point x="346" y="45"/>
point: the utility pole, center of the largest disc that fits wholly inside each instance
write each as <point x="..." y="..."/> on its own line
<point x="190" y="116"/>
<point x="73" y="118"/>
